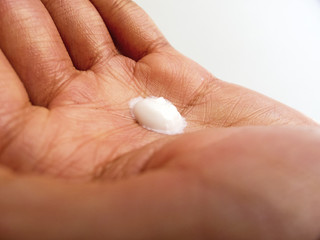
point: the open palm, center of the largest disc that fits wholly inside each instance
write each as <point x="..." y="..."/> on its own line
<point x="81" y="63"/>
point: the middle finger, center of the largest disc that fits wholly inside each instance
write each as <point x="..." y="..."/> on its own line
<point x="83" y="31"/>
<point x="32" y="44"/>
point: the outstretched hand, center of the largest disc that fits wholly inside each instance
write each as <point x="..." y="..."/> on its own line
<point x="80" y="64"/>
<point x="68" y="70"/>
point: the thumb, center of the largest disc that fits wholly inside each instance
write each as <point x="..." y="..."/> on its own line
<point x="152" y="206"/>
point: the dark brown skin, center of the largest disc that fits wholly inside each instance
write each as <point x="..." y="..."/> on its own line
<point x="75" y="165"/>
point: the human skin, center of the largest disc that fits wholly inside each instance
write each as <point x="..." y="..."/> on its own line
<point x="267" y="187"/>
<point x="77" y="166"/>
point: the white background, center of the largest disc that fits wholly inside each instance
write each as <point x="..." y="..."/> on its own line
<point x="271" y="46"/>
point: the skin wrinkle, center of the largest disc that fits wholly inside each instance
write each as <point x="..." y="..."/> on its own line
<point x="110" y="170"/>
<point x="98" y="57"/>
<point x="7" y="140"/>
<point x="111" y="156"/>
<point x="165" y="160"/>
<point x="71" y="165"/>
<point x="231" y="111"/>
<point x="128" y="74"/>
<point x="164" y="92"/>
<point x="278" y="120"/>
<point x="131" y="67"/>
<point x="61" y="82"/>
<point x="103" y="63"/>
<point x="158" y="46"/>
<point x="100" y="168"/>
<point x="25" y="143"/>
<point x="161" y="81"/>
<point x="176" y="75"/>
<point x="42" y="165"/>
<point x="200" y="93"/>
<point x="14" y="125"/>
<point x="62" y="164"/>
<point x="101" y="58"/>
<point x="91" y="30"/>
<point x="259" y="113"/>
<point x="142" y="85"/>
<point x="66" y="87"/>
<point x="117" y="6"/>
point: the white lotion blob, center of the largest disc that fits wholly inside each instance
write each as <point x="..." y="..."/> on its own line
<point x="158" y="115"/>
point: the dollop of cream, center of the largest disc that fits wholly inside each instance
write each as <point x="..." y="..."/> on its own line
<point x="158" y="115"/>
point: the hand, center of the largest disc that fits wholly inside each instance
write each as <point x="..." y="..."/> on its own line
<point x="80" y="72"/>
<point x="64" y="112"/>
